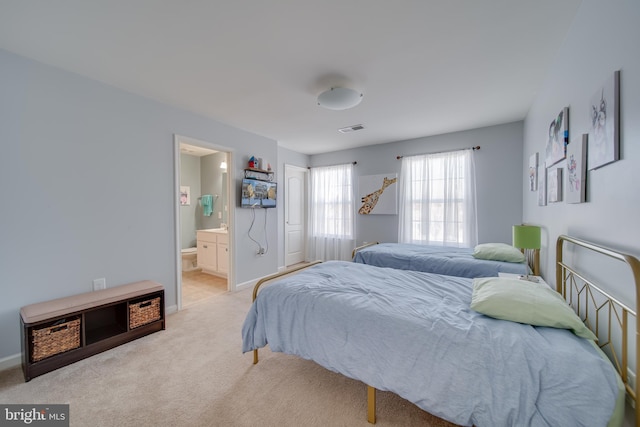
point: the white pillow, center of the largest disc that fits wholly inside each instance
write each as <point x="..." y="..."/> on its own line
<point x="498" y="252"/>
<point x="526" y="302"/>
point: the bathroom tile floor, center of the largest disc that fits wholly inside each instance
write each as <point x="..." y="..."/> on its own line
<point x="197" y="286"/>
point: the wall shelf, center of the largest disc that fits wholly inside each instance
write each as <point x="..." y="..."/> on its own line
<point x="259" y="174"/>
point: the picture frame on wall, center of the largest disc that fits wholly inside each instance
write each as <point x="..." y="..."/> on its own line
<point x="576" y="180"/>
<point x="378" y="194"/>
<point x="533" y="172"/>
<point x="554" y="185"/>
<point x="542" y="188"/>
<point x="185" y="195"/>
<point x="557" y="138"/>
<point x="604" y="134"/>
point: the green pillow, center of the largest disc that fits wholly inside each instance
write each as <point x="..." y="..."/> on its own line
<point x="498" y="252"/>
<point x="525" y="302"/>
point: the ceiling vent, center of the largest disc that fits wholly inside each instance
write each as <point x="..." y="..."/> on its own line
<point x="352" y="128"/>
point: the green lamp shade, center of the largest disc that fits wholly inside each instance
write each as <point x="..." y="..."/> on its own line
<point x="526" y="236"/>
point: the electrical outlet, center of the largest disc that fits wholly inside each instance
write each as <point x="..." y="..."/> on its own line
<point x="261" y="251"/>
<point x="99" y="284"/>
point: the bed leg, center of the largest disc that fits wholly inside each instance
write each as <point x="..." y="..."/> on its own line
<point x="371" y="403"/>
<point x="255" y="356"/>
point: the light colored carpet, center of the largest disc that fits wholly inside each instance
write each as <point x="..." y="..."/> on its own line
<point x="194" y="374"/>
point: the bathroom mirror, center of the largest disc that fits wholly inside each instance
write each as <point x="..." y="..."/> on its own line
<point x="224" y="199"/>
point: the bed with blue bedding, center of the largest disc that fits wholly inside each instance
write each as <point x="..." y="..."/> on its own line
<point x="414" y="334"/>
<point x="451" y="261"/>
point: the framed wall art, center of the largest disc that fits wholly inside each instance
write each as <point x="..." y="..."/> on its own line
<point x="542" y="188"/>
<point x="577" y="170"/>
<point x="604" y="135"/>
<point x="554" y="185"/>
<point x="378" y="194"/>
<point x="533" y="172"/>
<point x="185" y="195"/>
<point x="557" y="138"/>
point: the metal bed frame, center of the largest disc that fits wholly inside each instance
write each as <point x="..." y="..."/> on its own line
<point x="594" y="306"/>
<point x="532" y="256"/>
<point x="371" y="391"/>
<point x="601" y="311"/>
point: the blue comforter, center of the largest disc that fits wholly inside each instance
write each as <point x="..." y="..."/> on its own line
<point x="435" y="259"/>
<point x="414" y="334"/>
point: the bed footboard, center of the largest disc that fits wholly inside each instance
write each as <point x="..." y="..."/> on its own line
<point x="273" y="277"/>
<point x="371" y="391"/>
<point x="366" y="245"/>
<point x="371" y="404"/>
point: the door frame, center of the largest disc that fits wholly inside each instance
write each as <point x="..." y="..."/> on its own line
<point x="288" y="167"/>
<point x="231" y="194"/>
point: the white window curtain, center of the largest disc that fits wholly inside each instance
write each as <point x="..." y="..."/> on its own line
<point x="438" y="199"/>
<point x="331" y="213"/>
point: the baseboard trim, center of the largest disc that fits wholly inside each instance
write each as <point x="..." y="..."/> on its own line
<point x="249" y="284"/>
<point x="10" y="361"/>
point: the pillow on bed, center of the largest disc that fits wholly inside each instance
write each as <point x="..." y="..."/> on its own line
<point x="525" y="302"/>
<point x="498" y="252"/>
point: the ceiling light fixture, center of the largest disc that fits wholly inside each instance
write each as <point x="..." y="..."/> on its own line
<point x="339" y="98"/>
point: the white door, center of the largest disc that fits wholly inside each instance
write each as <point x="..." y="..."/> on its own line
<point x="295" y="215"/>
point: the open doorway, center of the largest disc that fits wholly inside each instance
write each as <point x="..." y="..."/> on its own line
<point x="203" y="220"/>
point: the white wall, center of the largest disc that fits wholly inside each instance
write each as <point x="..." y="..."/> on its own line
<point x="603" y="38"/>
<point x="498" y="176"/>
<point x="87" y="188"/>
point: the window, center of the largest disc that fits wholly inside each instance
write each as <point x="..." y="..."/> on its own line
<point x="331" y="210"/>
<point x="332" y="203"/>
<point x="438" y="199"/>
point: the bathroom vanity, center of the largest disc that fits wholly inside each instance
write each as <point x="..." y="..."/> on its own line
<point x="213" y="251"/>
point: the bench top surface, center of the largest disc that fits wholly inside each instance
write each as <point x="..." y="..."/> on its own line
<point x="62" y="306"/>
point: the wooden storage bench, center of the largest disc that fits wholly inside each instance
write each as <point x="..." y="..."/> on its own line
<point x="62" y="331"/>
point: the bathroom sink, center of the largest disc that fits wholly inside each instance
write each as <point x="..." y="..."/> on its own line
<point x="216" y="230"/>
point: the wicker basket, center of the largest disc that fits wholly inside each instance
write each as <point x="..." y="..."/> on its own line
<point x="55" y="339"/>
<point x="144" y="312"/>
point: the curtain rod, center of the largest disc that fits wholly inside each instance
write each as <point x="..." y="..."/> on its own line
<point x="477" y="147"/>
<point x="309" y="167"/>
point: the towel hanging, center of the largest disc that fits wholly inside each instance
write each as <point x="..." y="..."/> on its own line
<point x="206" y="201"/>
